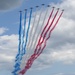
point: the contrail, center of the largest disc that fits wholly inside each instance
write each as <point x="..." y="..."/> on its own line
<point x="36" y="54"/>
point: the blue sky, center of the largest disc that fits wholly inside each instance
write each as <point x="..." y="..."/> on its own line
<point x="11" y="22"/>
<point x="60" y="48"/>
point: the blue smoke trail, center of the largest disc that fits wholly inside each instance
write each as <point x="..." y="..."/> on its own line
<point x="18" y="61"/>
<point x="19" y="48"/>
<point x="19" y="56"/>
<point x="24" y="31"/>
<point x="27" y="31"/>
<point x="20" y="28"/>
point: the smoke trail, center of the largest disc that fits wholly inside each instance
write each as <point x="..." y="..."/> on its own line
<point x="20" y="57"/>
<point x="50" y="33"/>
<point x="30" y="38"/>
<point x="24" y="31"/>
<point x="43" y="37"/>
<point x="35" y="55"/>
<point x="19" y="48"/>
<point x="32" y="29"/>
<point x="26" y="36"/>
<point x="27" y="31"/>
<point x="48" y="28"/>
<point x="32" y="47"/>
<point x="45" y="26"/>
<point x="48" y="21"/>
<point x="20" y="28"/>
<point x="36" y="39"/>
<point x="55" y="24"/>
<point x="33" y="37"/>
<point x="17" y="65"/>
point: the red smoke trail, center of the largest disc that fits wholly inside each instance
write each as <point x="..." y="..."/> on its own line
<point x="50" y="33"/>
<point x="40" y="42"/>
<point x="47" y="23"/>
<point x="35" y="55"/>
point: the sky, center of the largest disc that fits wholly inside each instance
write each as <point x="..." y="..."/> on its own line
<point x="58" y="57"/>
